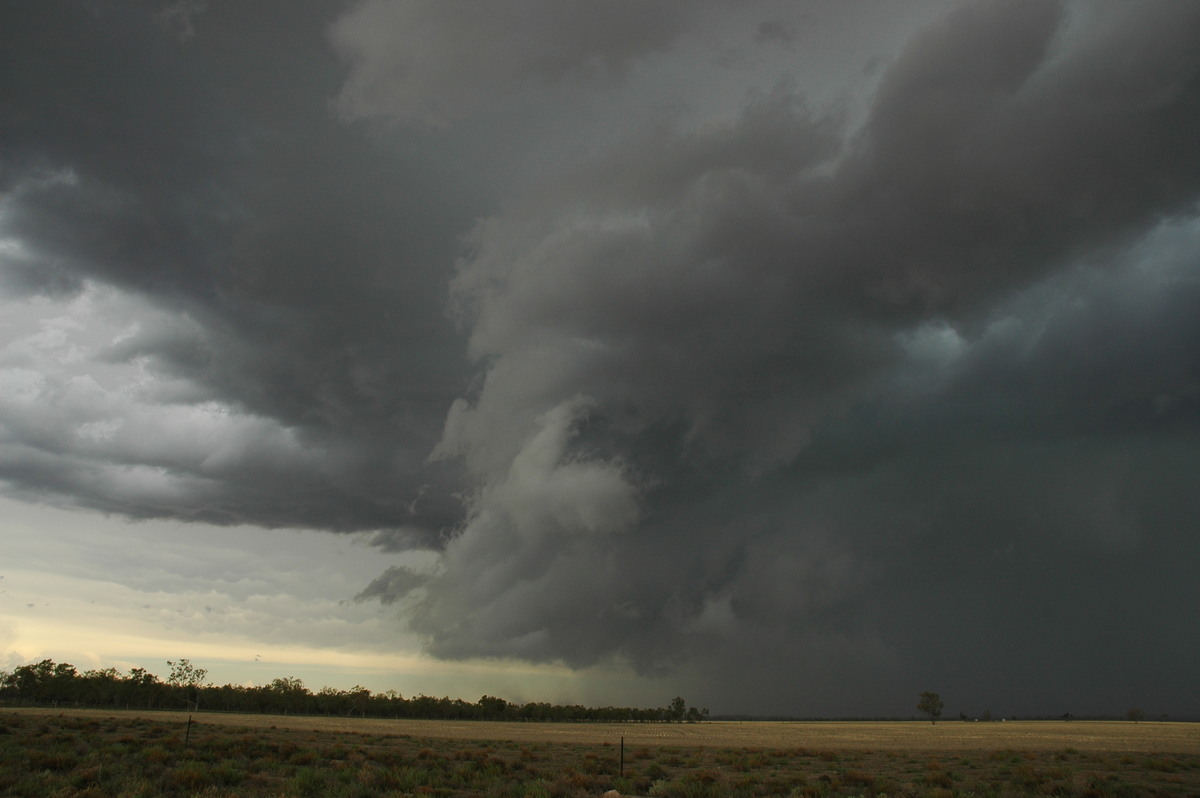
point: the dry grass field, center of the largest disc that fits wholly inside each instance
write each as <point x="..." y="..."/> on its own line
<point x="132" y="754"/>
<point x="1123" y="736"/>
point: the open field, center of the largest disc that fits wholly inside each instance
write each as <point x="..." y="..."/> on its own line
<point x="97" y="753"/>
<point x="1145" y="737"/>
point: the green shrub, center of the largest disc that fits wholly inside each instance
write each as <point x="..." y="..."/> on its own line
<point x="307" y="783"/>
<point x="654" y="771"/>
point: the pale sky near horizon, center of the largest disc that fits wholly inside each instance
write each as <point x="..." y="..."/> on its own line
<point x="793" y="356"/>
<point x="249" y="605"/>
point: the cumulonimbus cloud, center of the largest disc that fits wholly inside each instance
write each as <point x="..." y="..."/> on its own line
<point x="746" y="376"/>
<point x="719" y="296"/>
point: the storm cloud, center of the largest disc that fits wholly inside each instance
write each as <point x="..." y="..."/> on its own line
<point x="812" y="376"/>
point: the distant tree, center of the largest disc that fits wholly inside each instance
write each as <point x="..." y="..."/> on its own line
<point x="141" y="688"/>
<point x="32" y="682"/>
<point x="185" y="674"/>
<point x="1135" y="715"/>
<point x="47" y="682"/>
<point x="987" y="715"/>
<point x="931" y="705"/>
<point x="189" y="678"/>
<point x="328" y="701"/>
<point x="357" y="696"/>
<point x="288" y="684"/>
<point x="141" y="676"/>
<point x="492" y="708"/>
<point x="63" y="682"/>
<point x="287" y="693"/>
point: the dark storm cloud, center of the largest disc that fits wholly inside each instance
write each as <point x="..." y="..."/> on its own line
<point x="189" y="154"/>
<point x="436" y="62"/>
<point x="814" y="405"/>
<point x="672" y="324"/>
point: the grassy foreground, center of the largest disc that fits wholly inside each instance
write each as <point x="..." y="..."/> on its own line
<point x="87" y="753"/>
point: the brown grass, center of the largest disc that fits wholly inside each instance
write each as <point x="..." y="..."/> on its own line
<point x="143" y="754"/>
<point x="912" y="736"/>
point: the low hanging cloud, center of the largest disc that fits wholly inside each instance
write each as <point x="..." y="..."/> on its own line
<point x="674" y="354"/>
<point x="721" y="297"/>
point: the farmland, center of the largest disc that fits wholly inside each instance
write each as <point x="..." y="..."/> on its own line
<point x="97" y="753"/>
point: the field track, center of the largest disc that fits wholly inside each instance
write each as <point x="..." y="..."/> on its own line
<point x="913" y="736"/>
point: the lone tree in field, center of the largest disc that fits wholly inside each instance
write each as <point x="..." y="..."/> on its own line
<point x="931" y="705"/>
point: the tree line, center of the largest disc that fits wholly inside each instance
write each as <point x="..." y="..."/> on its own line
<point x="48" y="683"/>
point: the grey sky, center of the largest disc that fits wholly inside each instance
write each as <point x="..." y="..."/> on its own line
<point x="802" y="355"/>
